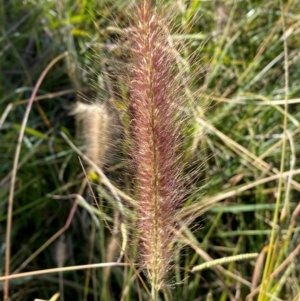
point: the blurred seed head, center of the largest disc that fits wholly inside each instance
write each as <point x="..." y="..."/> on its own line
<point x="97" y="126"/>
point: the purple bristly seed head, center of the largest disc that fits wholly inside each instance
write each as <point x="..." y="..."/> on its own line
<point x="154" y="103"/>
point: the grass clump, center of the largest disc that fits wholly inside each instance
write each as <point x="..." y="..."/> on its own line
<point x="248" y="139"/>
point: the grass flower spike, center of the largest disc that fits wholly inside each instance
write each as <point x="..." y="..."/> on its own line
<point x="96" y="130"/>
<point x="154" y="105"/>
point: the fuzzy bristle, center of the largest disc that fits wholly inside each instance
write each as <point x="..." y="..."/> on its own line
<point x="97" y="126"/>
<point x="154" y="105"/>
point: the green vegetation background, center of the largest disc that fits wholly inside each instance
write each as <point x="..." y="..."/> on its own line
<point x="238" y="139"/>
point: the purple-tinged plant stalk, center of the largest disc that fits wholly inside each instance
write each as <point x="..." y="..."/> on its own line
<point x="154" y="105"/>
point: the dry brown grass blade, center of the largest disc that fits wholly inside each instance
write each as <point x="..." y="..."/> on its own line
<point x="64" y="269"/>
<point x="45" y="96"/>
<point x="258" y="268"/>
